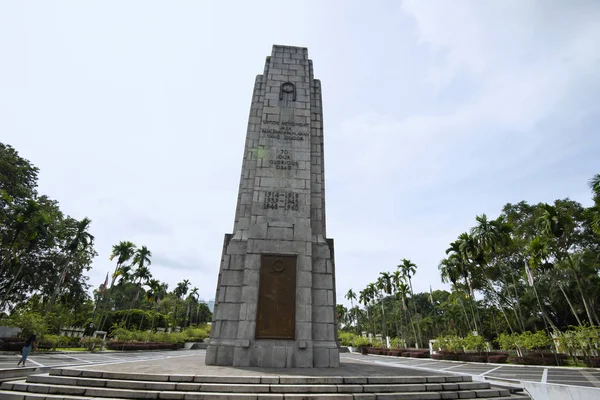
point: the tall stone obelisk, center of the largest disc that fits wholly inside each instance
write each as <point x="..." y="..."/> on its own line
<point x="275" y="300"/>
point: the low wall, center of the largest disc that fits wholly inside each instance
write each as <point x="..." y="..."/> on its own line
<point x="551" y="391"/>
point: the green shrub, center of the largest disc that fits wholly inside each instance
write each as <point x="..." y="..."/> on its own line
<point x="507" y="341"/>
<point x="398" y="343"/>
<point x="474" y="342"/>
<point x="451" y="343"/>
<point x="51" y="342"/>
<point x="197" y="334"/>
<point x="91" y="343"/>
<point x="31" y="323"/>
<point x="360" y="342"/>
<point x="531" y="341"/>
<point x="123" y="335"/>
<point x="584" y="339"/>
<point x="346" y="338"/>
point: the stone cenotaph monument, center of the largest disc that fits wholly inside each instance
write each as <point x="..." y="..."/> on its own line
<point x="275" y="300"/>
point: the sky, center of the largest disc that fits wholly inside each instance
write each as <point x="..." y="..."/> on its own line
<point x="434" y="112"/>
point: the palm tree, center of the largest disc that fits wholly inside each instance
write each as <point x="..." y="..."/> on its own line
<point x="366" y="296"/>
<point x="489" y="237"/>
<point x="408" y="270"/>
<point x="180" y="291"/>
<point x="538" y="254"/>
<point x="352" y="297"/>
<point x="452" y="270"/>
<point x="594" y="184"/>
<point x="141" y="257"/>
<point x="141" y="274"/>
<point x="194" y="295"/>
<point x="384" y="285"/>
<point x="80" y="241"/>
<point x="124" y="272"/>
<point x="471" y="257"/>
<point x="402" y="290"/>
<point x="555" y="226"/>
<point x="123" y="253"/>
<point x="155" y="291"/>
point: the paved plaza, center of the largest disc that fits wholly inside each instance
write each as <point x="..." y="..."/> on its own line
<point x="8" y="361"/>
<point x="509" y="373"/>
<point x="191" y="362"/>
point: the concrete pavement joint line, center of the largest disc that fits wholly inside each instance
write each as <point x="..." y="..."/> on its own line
<point x="487" y="372"/>
<point x="148" y="359"/>
<point x="112" y="358"/>
<point x="517" y="382"/>
<point x="419" y="365"/>
<point x="545" y="376"/>
<point x="78" y="359"/>
<point x="551" y="367"/>
<point x="454" y="366"/>
<point x="106" y="363"/>
<point x="420" y="368"/>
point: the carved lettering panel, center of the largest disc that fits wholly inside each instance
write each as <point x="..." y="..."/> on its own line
<point x="276" y="312"/>
<point x="287" y="201"/>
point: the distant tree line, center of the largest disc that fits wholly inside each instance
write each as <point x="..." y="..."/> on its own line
<point x="45" y="257"/>
<point x="534" y="267"/>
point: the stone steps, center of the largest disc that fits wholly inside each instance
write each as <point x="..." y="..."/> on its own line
<point x="253" y="388"/>
<point x="81" y="384"/>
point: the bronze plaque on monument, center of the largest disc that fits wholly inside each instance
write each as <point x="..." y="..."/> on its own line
<point x="276" y="314"/>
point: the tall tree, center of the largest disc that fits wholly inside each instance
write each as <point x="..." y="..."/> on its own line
<point x="366" y="296"/>
<point x="350" y="295"/>
<point x="180" y="291"/>
<point x="594" y="184"/>
<point x="408" y="270"/>
<point x="559" y="228"/>
<point x="80" y="241"/>
<point x="385" y="287"/>
<point x="123" y="253"/>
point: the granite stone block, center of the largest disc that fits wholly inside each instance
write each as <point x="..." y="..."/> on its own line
<point x="280" y="212"/>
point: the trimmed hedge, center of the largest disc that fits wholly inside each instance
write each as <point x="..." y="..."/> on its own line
<point x="11" y="344"/>
<point x="120" y="345"/>
<point x="445" y="355"/>
<point x="498" y="359"/>
<point x="593" y="362"/>
<point x="418" y="354"/>
<point x="413" y="353"/>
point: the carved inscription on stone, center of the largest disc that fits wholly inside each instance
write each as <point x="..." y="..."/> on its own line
<point x="287" y="201"/>
<point x="283" y="160"/>
<point x="286" y="130"/>
<point x="276" y="312"/>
